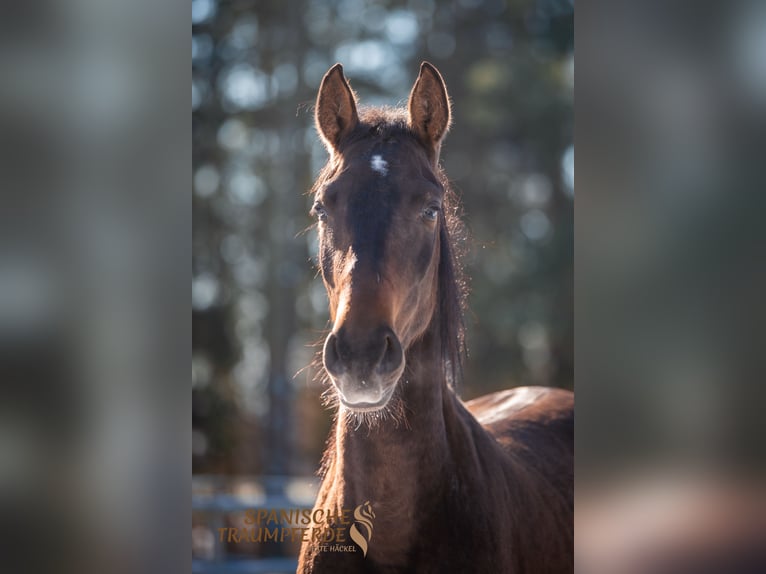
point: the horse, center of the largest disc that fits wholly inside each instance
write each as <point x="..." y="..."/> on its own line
<point x="438" y="485"/>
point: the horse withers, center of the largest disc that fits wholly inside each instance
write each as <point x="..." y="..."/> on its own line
<point x="437" y="485"/>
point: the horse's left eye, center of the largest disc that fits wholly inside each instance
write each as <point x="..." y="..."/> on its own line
<point x="431" y="213"/>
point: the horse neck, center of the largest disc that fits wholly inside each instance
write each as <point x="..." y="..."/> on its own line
<point x="369" y="462"/>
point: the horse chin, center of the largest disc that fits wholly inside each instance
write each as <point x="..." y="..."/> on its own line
<point x="364" y="399"/>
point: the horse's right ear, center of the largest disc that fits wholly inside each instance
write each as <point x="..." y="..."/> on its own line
<point x="335" y="112"/>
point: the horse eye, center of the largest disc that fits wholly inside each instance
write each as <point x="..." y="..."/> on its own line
<point x="319" y="212"/>
<point x="431" y="213"/>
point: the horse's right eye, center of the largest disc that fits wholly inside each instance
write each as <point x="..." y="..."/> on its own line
<point x="319" y="212"/>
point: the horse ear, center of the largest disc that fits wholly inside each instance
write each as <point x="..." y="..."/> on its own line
<point x="335" y="114"/>
<point x="429" y="109"/>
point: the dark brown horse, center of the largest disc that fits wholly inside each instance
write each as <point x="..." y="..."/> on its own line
<point x="482" y="487"/>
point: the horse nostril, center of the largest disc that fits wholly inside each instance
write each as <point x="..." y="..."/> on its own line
<point x="360" y="356"/>
<point x="392" y="354"/>
<point x="331" y="356"/>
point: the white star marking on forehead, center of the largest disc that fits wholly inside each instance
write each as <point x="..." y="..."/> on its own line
<point x="378" y="164"/>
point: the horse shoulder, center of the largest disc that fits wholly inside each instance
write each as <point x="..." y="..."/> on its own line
<point x="533" y="426"/>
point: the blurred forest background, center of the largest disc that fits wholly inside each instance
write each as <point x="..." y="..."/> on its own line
<point x="258" y="306"/>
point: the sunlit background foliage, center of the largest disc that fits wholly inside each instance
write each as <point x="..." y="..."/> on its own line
<point x="258" y="306"/>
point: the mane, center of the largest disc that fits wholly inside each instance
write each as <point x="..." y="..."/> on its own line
<point x="387" y="122"/>
<point x="453" y="287"/>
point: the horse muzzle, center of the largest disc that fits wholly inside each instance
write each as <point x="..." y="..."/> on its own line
<point x="364" y="369"/>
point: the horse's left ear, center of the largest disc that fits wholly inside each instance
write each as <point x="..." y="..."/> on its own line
<point x="429" y="109"/>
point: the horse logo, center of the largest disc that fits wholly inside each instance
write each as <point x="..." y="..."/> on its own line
<point x="363" y="515"/>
